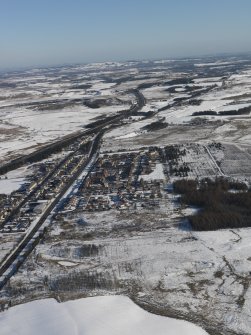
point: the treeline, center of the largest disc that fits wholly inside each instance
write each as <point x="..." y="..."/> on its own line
<point x="146" y="85"/>
<point x="241" y="111"/>
<point x="204" y="113"/>
<point x="195" y="102"/>
<point x="157" y="125"/>
<point x="173" y="89"/>
<point x="223" y="203"/>
<point x="100" y="122"/>
<point x="81" y="86"/>
<point x="40" y="154"/>
<point x="179" y="81"/>
<point x="94" y="104"/>
<point x="173" y="152"/>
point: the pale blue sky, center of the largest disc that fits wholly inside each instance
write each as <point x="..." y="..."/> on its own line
<point x="42" y="32"/>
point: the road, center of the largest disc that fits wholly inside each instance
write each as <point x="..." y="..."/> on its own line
<point x="7" y="269"/>
<point x="18" y="255"/>
<point x="41" y="152"/>
<point x="214" y="161"/>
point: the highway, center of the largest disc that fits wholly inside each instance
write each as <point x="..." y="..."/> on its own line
<point x="14" y="255"/>
<point x="18" y="255"/>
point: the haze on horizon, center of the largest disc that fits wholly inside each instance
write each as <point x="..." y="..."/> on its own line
<point x="50" y="32"/>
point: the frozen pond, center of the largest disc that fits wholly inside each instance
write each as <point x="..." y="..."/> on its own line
<point x="113" y="315"/>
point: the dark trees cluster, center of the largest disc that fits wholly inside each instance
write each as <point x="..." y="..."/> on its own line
<point x="185" y="186"/>
<point x="195" y="102"/>
<point x="204" y="113"/>
<point x="95" y="103"/>
<point x="81" y="86"/>
<point x="241" y="111"/>
<point x="216" y="145"/>
<point x="40" y="154"/>
<point x="157" y="125"/>
<point x="179" y="81"/>
<point x="100" y="122"/>
<point x="181" y="171"/>
<point x="223" y="203"/>
<point x="173" y="153"/>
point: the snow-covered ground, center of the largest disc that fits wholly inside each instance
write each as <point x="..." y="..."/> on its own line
<point x="157" y="174"/>
<point x="111" y="315"/>
<point x="204" y="276"/>
<point x="9" y="185"/>
<point x="13" y="180"/>
<point x="37" y="127"/>
<point x="22" y="94"/>
<point x="40" y="106"/>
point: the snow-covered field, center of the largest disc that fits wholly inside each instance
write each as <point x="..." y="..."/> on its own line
<point x="36" y="108"/>
<point x="157" y="173"/>
<point x="9" y="185"/>
<point x="40" y="105"/>
<point x="111" y="315"/>
<point x="13" y="180"/>
<point x="148" y="254"/>
<point x="37" y="127"/>
<point x="202" y="275"/>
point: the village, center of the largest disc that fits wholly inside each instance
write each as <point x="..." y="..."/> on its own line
<point x="137" y="179"/>
<point x="49" y="177"/>
<point x="120" y="181"/>
<point x="128" y="180"/>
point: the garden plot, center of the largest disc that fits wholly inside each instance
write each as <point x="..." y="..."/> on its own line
<point x="233" y="159"/>
<point x="198" y="161"/>
<point x="236" y="162"/>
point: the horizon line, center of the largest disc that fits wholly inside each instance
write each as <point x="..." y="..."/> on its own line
<point x="117" y="60"/>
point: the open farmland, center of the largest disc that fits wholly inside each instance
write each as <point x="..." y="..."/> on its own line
<point x="233" y="159"/>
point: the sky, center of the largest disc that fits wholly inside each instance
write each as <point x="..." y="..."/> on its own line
<point x="50" y="32"/>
